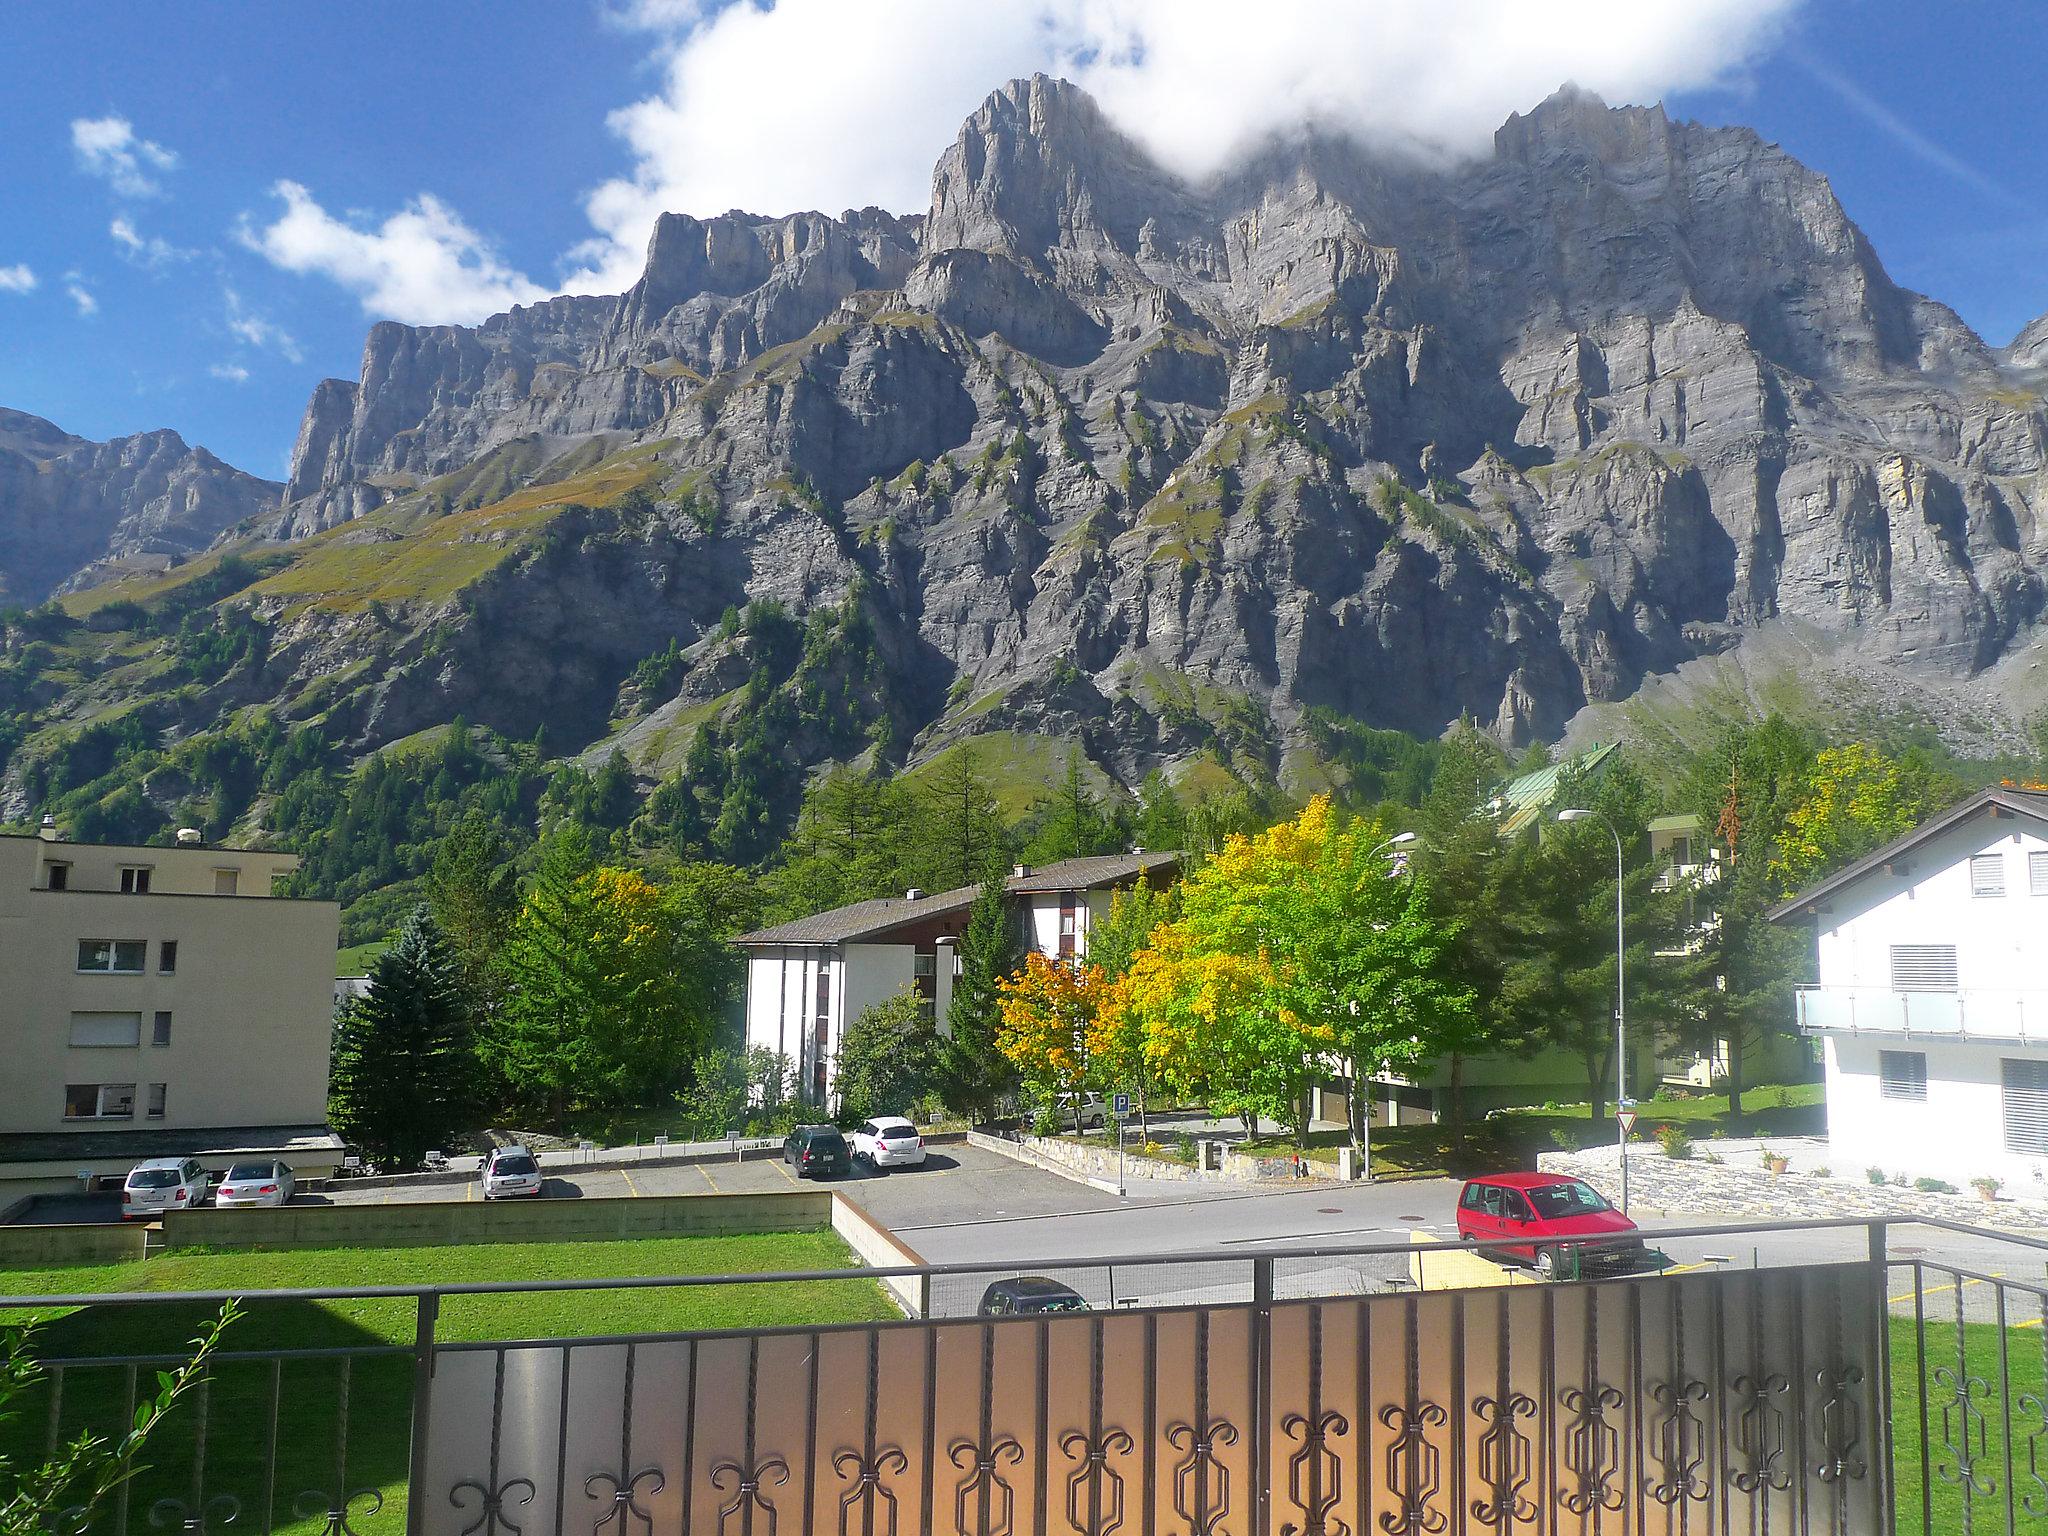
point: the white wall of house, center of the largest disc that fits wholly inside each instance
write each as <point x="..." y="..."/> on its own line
<point x="1953" y="1109"/>
<point x="1957" y="1133"/>
<point x="874" y="974"/>
<point x="782" y="990"/>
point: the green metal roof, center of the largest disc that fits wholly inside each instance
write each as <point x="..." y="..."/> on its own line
<point x="1522" y="801"/>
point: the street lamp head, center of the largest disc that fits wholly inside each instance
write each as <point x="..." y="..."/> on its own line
<point x="1573" y="815"/>
<point x="1401" y="840"/>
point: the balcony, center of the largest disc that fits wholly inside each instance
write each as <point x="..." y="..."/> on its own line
<point x="1983" y="1013"/>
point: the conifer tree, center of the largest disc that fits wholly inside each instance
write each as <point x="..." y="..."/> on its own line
<point x="403" y="1066"/>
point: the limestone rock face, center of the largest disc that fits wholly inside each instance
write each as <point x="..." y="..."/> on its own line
<point x="1179" y="468"/>
<point x="74" y="511"/>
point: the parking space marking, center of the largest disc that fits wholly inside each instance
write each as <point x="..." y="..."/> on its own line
<point x="779" y="1168"/>
<point x="701" y="1168"/>
<point x="631" y="1188"/>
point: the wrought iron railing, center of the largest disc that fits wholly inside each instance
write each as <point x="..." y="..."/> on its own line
<point x="1867" y="1383"/>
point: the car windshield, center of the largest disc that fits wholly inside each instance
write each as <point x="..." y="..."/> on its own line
<point x="518" y="1163"/>
<point x="249" y="1173"/>
<point x="153" y="1178"/>
<point x="1575" y="1199"/>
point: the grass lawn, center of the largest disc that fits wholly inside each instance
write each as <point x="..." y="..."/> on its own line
<point x="380" y="1388"/>
<point x="2009" y="1420"/>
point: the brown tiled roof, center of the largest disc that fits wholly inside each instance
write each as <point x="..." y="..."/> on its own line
<point x="863" y="919"/>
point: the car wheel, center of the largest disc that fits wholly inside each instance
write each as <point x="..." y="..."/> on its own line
<point x="1546" y="1263"/>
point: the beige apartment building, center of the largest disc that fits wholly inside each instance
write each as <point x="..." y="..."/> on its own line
<point x="157" y="1002"/>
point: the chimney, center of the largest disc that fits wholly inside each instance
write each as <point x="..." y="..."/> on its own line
<point x="1137" y="850"/>
<point x="48" y="830"/>
<point x="188" y="837"/>
<point x="1019" y="871"/>
<point x="915" y="893"/>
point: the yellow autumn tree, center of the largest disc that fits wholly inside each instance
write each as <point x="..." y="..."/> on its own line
<point x="1047" y="1013"/>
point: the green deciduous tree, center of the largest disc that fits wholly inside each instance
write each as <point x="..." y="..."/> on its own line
<point x="888" y="1059"/>
<point x="404" y="1067"/>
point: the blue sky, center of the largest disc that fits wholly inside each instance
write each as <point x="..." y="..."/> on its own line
<point x="202" y="208"/>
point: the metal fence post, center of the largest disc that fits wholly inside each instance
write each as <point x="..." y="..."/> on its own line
<point x="1881" y="1373"/>
<point x="422" y="1403"/>
<point x="1262" y="1396"/>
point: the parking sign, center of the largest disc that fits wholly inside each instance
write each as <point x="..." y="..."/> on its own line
<point x="1123" y="1106"/>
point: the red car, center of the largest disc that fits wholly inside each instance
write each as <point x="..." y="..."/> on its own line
<point x="1511" y="1213"/>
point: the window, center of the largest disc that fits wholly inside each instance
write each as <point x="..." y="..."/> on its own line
<point x="1923" y="968"/>
<point x="2026" y="1106"/>
<point x="56" y="877"/>
<point x="122" y="957"/>
<point x="160" y="1030"/>
<point x="99" y="1101"/>
<point x="167" y="958"/>
<point x="105" y="1029"/>
<point x="1902" y="1075"/>
<point x="2037" y="873"/>
<point x="1987" y="874"/>
<point x="157" y="1094"/>
<point x="135" y="879"/>
<point x="225" y="881"/>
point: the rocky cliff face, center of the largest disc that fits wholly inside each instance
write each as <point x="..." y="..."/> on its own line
<point x="73" y="512"/>
<point x="1175" y="467"/>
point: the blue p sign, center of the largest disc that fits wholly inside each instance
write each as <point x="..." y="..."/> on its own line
<point x="1123" y="1106"/>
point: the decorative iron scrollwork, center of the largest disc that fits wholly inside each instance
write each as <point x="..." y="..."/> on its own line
<point x="340" y="1513"/>
<point x="1963" y="1432"/>
<point x="1201" y="1482"/>
<point x="982" y="1480"/>
<point x="1505" y="1460"/>
<point x="623" y="1500"/>
<point x="1592" y="1450"/>
<point x="1315" y="1473"/>
<point x="868" y="1489"/>
<point x="490" y="1515"/>
<point x="1760" y="1433"/>
<point x="1679" y="1448"/>
<point x="1414" y="1469"/>
<point x="2033" y="1406"/>
<point x="196" y="1518"/>
<point x="1087" y="1508"/>
<point x="750" y="1487"/>
<point x="1838" y="1424"/>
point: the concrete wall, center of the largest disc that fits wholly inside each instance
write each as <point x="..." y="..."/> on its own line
<point x="879" y="1248"/>
<point x="67" y="1246"/>
<point x="1958" y="1134"/>
<point x="250" y="1001"/>
<point x="533" y="1221"/>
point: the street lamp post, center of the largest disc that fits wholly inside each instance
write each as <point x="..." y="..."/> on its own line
<point x="1620" y="996"/>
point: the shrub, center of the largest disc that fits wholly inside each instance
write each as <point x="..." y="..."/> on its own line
<point x="1676" y="1144"/>
<point x="1876" y="1175"/>
<point x="1823" y="1173"/>
<point x="1987" y="1186"/>
<point x="1934" y="1186"/>
<point x="1563" y="1139"/>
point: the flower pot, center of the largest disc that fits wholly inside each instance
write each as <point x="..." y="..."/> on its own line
<point x="1988" y="1196"/>
<point x="1778" y="1165"/>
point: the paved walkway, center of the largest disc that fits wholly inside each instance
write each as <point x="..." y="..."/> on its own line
<point x="1739" y="1187"/>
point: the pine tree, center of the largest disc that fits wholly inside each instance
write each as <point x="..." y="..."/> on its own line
<point x="976" y="1073"/>
<point x="473" y="891"/>
<point x="403" y="1067"/>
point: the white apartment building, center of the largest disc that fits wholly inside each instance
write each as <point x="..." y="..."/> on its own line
<point x="808" y="979"/>
<point x="1932" y="1001"/>
<point x="157" y="1002"/>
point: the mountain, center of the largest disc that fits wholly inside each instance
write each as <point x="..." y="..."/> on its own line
<point x="1187" y="473"/>
<point x="74" y="512"/>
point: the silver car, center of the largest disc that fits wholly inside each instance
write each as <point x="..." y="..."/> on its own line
<point x="162" y="1184"/>
<point x="510" y="1171"/>
<point x="265" y="1182"/>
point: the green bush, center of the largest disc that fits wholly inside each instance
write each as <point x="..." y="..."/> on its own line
<point x="1676" y="1144"/>
<point x="1934" y="1186"/>
<point x="1876" y="1175"/>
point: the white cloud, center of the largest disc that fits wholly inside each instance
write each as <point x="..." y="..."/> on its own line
<point x="80" y="295"/>
<point x="256" y="330"/>
<point x="422" y="265"/>
<point x="233" y="373"/>
<point x="836" y="103"/>
<point x="17" y="279"/>
<point x="109" y="147"/>
<point x="151" y="251"/>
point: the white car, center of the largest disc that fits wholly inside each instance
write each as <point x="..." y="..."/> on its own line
<point x="265" y="1182"/>
<point x="1089" y="1107"/>
<point x="888" y="1141"/>
<point x="162" y="1184"/>
<point x="511" y="1171"/>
